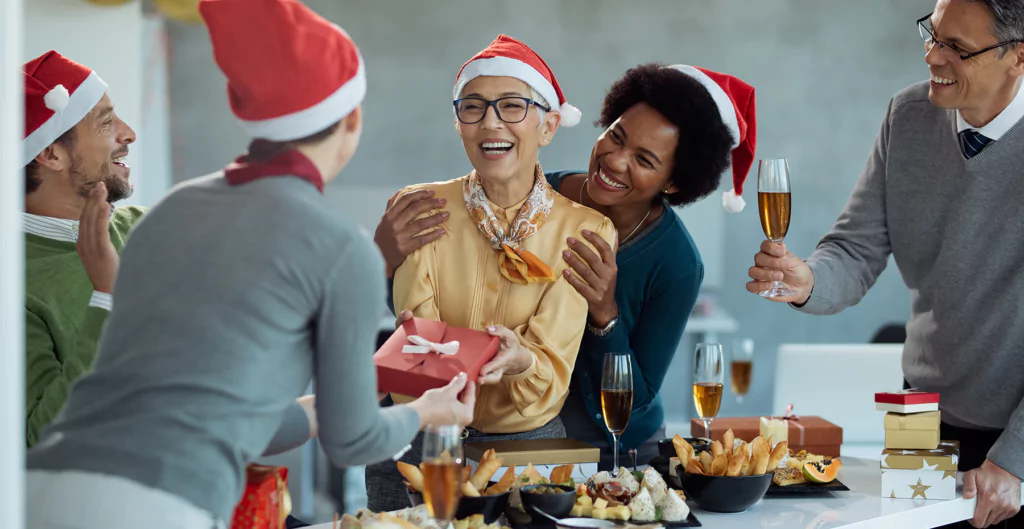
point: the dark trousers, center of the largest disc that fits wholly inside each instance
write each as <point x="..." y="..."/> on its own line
<point x="974" y="447"/>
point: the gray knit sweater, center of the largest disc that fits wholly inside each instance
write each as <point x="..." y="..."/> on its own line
<point x="956" y="230"/>
<point x="228" y="300"/>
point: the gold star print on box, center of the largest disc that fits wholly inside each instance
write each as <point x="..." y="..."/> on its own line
<point x="948" y="474"/>
<point x="919" y="489"/>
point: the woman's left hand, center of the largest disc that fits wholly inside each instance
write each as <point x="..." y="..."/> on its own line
<point x="512" y="357"/>
<point x="598" y="273"/>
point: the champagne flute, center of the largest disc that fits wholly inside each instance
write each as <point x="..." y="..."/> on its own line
<point x="773" y="203"/>
<point x="442" y="471"/>
<point x="708" y="373"/>
<point x="741" y="368"/>
<point x="616" y="397"/>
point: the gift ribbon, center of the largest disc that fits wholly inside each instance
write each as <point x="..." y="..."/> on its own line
<point x="795" y="421"/>
<point x="284" y="499"/>
<point x="424" y="346"/>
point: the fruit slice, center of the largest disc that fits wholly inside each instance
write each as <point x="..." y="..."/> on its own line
<point x="822" y="471"/>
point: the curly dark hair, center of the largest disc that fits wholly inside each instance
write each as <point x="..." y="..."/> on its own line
<point x="704" y="141"/>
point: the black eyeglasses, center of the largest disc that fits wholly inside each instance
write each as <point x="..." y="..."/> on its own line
<point x="929" y="38"/>
<point x="471" y="110"/>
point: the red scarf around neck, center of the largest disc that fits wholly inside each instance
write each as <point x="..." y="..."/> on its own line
<point x="262" y="162"/>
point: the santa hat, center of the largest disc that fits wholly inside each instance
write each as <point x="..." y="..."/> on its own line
<point x="290" y="72"/>
<point x="59" y="92"/>
<point x="735" y="100"/>
<point x="508" y="57"/>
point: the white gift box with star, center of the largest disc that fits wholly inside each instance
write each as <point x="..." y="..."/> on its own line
<point x="920" y="474"/>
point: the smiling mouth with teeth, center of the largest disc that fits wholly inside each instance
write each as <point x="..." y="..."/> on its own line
<point x="608" y="181"/>
<point x="496" y="147"/>
<point x="942" y="80"/>
<point x="119" y="160"/>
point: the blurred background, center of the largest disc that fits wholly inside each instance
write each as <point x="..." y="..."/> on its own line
<point x="823" y="70"/>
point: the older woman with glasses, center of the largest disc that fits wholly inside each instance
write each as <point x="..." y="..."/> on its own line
<point x="501" y="268"/>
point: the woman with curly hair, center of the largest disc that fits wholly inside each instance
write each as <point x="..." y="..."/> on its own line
<point x="670" y="133"/>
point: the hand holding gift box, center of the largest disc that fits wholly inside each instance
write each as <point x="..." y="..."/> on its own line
<point x="425" y="354"/>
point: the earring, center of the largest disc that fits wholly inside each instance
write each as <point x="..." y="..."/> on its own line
<point x="547" y="140"/>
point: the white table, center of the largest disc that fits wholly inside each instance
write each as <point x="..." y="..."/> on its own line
<point x="862" y="507"/>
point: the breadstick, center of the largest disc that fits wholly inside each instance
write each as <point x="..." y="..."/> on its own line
<point x="780" y="451"/>
<point x="412" y="474"/>
<point x="728" y="439"/>
<point x="489" y="464"/>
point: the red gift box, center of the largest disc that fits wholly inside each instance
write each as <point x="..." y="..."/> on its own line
<point x="266" y="502"/>
<point x="407" y="367"/>
<point x="908" y="396"/>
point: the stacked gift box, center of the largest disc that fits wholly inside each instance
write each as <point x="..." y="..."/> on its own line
<point x="916" y="463"/>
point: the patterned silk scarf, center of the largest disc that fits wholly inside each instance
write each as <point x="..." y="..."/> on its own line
<point x="517" y="265"/>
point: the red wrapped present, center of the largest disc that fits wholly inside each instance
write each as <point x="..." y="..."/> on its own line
<point x="425" y="354"/>
<point x="266" y="502"/>
<point x="907" y="401"/>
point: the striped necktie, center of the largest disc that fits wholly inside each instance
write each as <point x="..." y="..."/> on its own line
<point x="972" y="142"/>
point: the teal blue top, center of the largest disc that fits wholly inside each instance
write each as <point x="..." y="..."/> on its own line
<point x="660" y="273"/>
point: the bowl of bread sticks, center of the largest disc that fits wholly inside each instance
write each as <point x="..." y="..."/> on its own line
<point x="479" y="495"/>
<point x="728" y="476"/>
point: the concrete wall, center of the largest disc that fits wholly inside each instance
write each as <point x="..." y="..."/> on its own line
<point x="824" y="71"/>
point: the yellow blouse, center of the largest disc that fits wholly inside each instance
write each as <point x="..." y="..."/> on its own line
<point x="456" y="280"/>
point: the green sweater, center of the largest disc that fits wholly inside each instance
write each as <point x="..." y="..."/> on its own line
<point x="62" y="327"/>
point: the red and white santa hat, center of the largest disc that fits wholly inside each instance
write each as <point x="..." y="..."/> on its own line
<point x="290" y="72"/>
<point x="59" y="92"/>
<point x="735" y="100"/>
<point x="508" y="57"/>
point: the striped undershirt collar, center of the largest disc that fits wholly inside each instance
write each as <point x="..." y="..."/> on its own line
<point x="52" y="227"/>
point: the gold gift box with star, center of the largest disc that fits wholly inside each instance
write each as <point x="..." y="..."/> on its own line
<point x="920" y="474"/>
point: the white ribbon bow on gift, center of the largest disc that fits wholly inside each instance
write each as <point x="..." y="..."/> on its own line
<point x="424" y="346"/>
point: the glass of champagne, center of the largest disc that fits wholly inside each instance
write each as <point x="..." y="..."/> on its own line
<point x="616" y="397"/>
<point x="773" y="203"/>
<point x="708" y="374"/>
<point x="442" y="471"/>
<point x="741" y="368"/>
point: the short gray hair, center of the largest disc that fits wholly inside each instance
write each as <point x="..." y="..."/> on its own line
<point x="1007" y="20"/>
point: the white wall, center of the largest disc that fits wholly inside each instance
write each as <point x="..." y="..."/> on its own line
<point x="12" y="378"/>
<point x="125" y="49"/>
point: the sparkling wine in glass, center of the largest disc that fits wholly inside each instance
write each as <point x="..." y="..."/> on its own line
<point x="708" y="376"/>
<point x="742" y="367"/>
<point x="442" y="471"/>
<point x="616" y="397"/>
<point x="773" y="203"/>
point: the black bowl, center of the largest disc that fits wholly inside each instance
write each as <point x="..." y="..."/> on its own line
<point x="558" y="505"/>
<point x="668" y="451"/>
<point x="724" y="493"/>
<point x="492" y="507"/>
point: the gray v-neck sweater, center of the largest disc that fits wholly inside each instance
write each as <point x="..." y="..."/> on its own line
<point x="229" y="298"/>
<point x="956" y="229"/>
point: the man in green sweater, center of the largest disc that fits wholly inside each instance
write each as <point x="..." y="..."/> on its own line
<point x="74" y="150"/>
<point x="941" y="193"/>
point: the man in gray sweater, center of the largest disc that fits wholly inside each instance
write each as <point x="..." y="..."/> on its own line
<point x="943" y="192"/>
